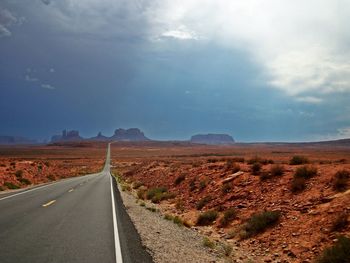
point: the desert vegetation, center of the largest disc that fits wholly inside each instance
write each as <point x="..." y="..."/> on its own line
<point x="24" y="166"/>
<point x="259" y="223"/>
<point x="220" y="194"/>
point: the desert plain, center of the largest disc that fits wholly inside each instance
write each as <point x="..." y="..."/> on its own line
<point x="274" y="202"/>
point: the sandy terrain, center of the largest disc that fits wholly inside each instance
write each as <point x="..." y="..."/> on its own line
<point x="194" y="173"/>
<point x="22" y="166"/>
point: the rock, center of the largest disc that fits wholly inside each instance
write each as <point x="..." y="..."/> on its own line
<point x="213" y="139"/>
<point x="67" y="136"/>
<point x="232" y="177"/>
<point x="6" y="140"/>
<point x="99" y="138"/>
<point x="132" y="134"/>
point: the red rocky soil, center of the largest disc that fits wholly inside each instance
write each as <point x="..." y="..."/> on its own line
<point x="305" y="227"/>
<point x="27" y="165"/>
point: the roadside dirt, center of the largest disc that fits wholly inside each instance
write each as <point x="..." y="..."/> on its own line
<point x="307" y="217"/>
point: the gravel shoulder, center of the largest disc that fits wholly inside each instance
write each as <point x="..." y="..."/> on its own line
<point x="166" y="241"/>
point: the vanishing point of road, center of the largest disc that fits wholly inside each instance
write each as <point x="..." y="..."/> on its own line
<point x="80" y="219"/>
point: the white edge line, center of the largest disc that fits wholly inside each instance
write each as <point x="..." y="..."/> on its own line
<point x="118" y="252"/>
<point x="43" y="186"/>
<point x="26" y="191"/>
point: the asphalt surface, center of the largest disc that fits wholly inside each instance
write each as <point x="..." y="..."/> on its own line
<point x="68" y="221"/>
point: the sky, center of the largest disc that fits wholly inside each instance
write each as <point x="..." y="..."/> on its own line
<point x="272" y="70"/>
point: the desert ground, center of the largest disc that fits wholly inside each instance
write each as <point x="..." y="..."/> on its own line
<point x="275" y="202"/>
<point x="23" y="166"/>
<point x="268" y="202"/>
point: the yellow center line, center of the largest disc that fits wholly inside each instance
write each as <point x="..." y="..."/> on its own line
<point x="71" y="190"/>
<point x="49" y="203"/>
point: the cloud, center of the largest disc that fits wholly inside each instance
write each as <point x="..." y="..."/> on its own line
<point x="181" y="33"/>
<point x="344" y="133"/>
<point x="47" y="86"/>
<point x="30" y="79"/>
<point x="46" y="2"/>
<point x="301" y="49"/>
<point x="309" y="99"/>
<point x="8" y="19"/>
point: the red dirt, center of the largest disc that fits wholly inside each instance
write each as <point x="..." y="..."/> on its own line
<point x="304" y="229"/>
<point x="40" y="164"/>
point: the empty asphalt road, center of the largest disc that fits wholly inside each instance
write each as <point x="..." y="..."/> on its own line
<point x="73" y="220"/>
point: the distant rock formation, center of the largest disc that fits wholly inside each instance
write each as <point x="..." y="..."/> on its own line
<point x="213" y="139"/>
<point x="99" y="138"/>
<point x="132" y="134"/>
<point x="67" y="136"/>
<point x="11" y="140"/>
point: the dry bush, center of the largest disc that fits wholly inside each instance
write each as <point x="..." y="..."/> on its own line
<point x="305" y="172"/>
<point x="229" y="215"/>
<point x="298" y="159"/>
<point x="260" y="222"/>
<point x="256" y="168"/>
<point x="201" y="203"/>
<point x="298" y="184"/>
<point x="207" y="218"/>
<point x="338" y="253"/>
<point x="340" y="180"/>
<point x="277" y="170"/>
<point x="340" y="222"/>
<point x="179" y="179"/>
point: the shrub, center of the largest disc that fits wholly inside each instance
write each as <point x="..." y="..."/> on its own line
<point x="260" y="222"/>
<point x="201" y="203"/>
<point x="142" y="204"/>
<point x="339" y="253"/>
<point x="305" y="172"/>
<point x="179" y="179"/>
<point x="256" y="168"/>
<point x="202" y="185"/>
<point x="226" y="188"/>
<point x="207" y="218"/>
<point x="226" y="249"/>
<point x="154" y="191"/>
<point x="232" y="166"/>
<point x="340" y="181"/>
<point x="137" y="185"/>
<point x="51" y="177"/>
<point x="277" y="170"/>
<point x="192" y="185"/>
<point x="340" y="222"/>
<point x="19" y="173"/>
<point x="152" y="209"/>
<point x="298" y="184"/>
<point x="228" y="216"/>
<point x="24" y="181"/>
<point x="13" y="164"/>
<point x="298" y="159"/>
<point x="253" y="160"/>
<point x="126" y="187"/>
<point x="1" y="188"/>
<point x="141" y="192"/>
<point x="257" y="159"/>
<point x="238" y="159"/>
<point x="208" y="243"/>
<point x="177" y="220"/>
<point x="158" y="197"/>
<point x="168" y="217"/>
<point x="10" y="185"/>
<point x="179" y="205"/>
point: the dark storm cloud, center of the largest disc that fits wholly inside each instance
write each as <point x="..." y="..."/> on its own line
<point x="174" y="68"/>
